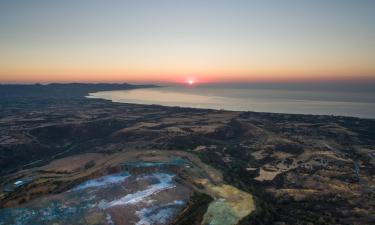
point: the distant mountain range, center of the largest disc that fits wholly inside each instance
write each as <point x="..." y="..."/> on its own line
<point x="60" y="90"/>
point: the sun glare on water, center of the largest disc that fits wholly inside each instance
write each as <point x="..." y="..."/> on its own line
<point x="190" y="82"/>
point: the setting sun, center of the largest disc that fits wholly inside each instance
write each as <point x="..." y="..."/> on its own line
<point x="164" y="112"/>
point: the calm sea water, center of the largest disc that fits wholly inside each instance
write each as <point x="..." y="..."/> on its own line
<point x="318" y="102"/>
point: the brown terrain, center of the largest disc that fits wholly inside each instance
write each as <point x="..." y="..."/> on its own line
<point x="299" y="169"/>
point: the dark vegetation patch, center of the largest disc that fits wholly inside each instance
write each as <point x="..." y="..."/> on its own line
<point x="193" y="213"/>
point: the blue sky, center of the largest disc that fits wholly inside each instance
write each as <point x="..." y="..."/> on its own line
<point x="172" y="39"/>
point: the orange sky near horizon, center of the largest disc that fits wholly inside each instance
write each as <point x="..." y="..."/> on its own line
<point x="140" y="75"/>
<point x="210" y="66"/>
<point x="173" y="41"/>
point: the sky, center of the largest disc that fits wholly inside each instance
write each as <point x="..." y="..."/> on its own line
<point x="180" y="40"/>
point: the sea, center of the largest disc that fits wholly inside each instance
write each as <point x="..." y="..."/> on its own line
<point x="328" y="99"/>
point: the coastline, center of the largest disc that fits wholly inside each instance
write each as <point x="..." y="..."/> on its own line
<point x="263" y="101"/>
<point x="288" y="162"/>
